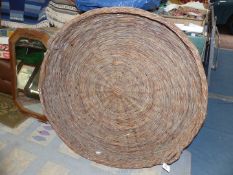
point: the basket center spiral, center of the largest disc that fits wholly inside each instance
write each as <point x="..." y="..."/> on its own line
<point x="118" y="89"/>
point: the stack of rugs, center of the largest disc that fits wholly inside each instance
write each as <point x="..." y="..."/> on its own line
<point x="55" y="13"/>
<point x="60" y="11"/>
<point x="24" y="13"/>
<point x="37" y="13"/>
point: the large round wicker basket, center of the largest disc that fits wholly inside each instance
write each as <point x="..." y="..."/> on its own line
<point x="123" y="87"/>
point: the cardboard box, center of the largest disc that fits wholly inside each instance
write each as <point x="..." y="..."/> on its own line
<point x="4" y="43"/>
<point x="4" y="47"/>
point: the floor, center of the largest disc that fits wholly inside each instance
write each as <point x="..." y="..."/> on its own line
<point x="33" y="148"/>
<point x="212" y="149"/>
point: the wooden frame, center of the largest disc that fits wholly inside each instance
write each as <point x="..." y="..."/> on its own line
<point x="29" y="34"/>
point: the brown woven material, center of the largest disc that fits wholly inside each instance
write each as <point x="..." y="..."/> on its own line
<point x="123" y="87"/>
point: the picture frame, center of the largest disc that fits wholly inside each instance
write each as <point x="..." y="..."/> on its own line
<point x="24" y="73"/>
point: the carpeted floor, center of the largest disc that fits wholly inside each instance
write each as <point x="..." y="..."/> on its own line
<point x="33" y="148"/>
<point x="212" y="149"/>
<point x="9" y="114"/>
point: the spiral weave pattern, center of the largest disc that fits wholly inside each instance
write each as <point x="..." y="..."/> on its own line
<point x="123" y="87"/>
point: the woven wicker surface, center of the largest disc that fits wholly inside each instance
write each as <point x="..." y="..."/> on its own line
<point x="123" y="87"/>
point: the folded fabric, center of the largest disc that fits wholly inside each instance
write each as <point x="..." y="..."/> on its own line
<point x="65" y="2"/>
<point x="59" y="12"/>
<point x="24" y="13"/>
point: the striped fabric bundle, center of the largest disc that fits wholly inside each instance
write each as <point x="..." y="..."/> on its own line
<point x="24" y="13"/>
<point x="59" y="12"/>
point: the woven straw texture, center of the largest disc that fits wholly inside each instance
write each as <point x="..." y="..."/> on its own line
<point x="123" y="87"/>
